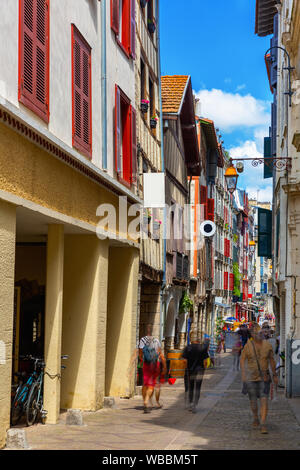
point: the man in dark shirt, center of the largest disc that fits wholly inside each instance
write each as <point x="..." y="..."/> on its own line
<point x="195" y="356"/>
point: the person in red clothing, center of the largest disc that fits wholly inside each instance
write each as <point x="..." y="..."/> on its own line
<point x="154" y="365"/>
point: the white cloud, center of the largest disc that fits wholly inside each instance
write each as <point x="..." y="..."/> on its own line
<point x="240" y="87"/>
<point x="232" y="110"/>
<point x="247" y="150"/>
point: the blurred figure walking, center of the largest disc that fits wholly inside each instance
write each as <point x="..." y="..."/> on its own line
<point x="195" y="356"/>
<point x="258" y="356"/>
<point x="151" y="355"/>
<point x="236" y="352"/>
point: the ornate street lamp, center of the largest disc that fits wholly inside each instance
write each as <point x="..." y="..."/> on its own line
<point x="231" y="178"/>
<point x="252" y="246"/>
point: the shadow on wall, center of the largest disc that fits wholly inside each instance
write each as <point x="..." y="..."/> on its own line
<point x="93" y="9"/>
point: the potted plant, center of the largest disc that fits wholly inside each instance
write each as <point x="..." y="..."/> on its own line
<point x="185" y="303"/>
<point x="156" y="224"/>
<point x="148" y="216"/>
<point x="151" y="25"/>
<point x="143" y="3"/>
<point x="153" y="122"/>
<point x="144" y="106"/>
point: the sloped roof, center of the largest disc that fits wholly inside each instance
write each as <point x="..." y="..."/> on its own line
<point x="265" y="12"/>
<point x="211" y="136"/>
<point x="172" y="92"/>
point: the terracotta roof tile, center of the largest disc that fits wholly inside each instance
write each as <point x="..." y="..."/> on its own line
<point x="172" y="90"/>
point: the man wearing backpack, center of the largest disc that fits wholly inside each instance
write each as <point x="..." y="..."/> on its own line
<point x="151" y="355"/>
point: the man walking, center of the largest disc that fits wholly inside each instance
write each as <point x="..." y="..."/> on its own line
<point x="195" y="356"/>
<point x="256" y="358"/>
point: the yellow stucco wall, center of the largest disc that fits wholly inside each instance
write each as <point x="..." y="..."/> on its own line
<point x="84" y="321"/>
<point x="7" y="266"/>
<point x="121" y="320"/>
<point x="30" y="172"/>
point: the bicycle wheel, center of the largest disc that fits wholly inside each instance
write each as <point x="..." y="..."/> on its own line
<point x="32" y="406"/>
<point x="16" y="412"/>
<point x="17" y="406"/>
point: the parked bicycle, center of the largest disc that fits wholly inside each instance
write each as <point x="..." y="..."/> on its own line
<point x="29" y="395"/>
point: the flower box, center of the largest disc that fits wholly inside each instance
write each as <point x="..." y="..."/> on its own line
<point x="144" y="106"/>
<point x="151" y="26"/>
<point x="153" y="122"/>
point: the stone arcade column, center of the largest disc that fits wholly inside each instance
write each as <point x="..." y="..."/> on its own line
<point x="121" y="319"/>
<point x="53" y="320"/>
<point x="7" y="274"/>
<point x="84" y="321"/>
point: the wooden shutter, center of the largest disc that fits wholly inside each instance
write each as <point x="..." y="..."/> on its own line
<point x="118" y="130"/>
<point x="132" y="28"/>
<point x="225" y="280"/>
<point x="211" y="209"/>
<point x="114" y="15"/>
<point x="133" y="146"/>
<point x="34" y="56"/>
<point x="81" y="85"/>
<point x="203" y="199"/>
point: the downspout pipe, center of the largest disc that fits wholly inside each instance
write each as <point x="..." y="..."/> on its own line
<point x="162" y="166"/>
<point x="103" y="85"/>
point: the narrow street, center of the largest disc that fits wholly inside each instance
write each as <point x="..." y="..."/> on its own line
<point x="222" y="422"/>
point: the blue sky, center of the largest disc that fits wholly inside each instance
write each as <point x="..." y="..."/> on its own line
<point x="214" y="42"/>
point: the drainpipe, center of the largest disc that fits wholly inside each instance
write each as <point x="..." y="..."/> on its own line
<point x="103" y="85"/>
<point x="162" y="307"/>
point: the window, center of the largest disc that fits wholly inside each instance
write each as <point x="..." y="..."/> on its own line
<point x="123" y="24"/>
<point x="143" y="80"/>
<point x="125" y="139"/>
<point x="81" y="94"/>
<point x="150" y="15"/>
<point x="34" y="56"/>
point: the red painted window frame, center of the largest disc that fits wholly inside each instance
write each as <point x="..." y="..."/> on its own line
<point x="225" y="280"/>
<point x="127" y="41"/>
<point x="77" y="142"/>
<point x="31" y="102"/>
<point x="128" y="174"/>
<point x="203" y="199"/>
<point x="211" y="209"/>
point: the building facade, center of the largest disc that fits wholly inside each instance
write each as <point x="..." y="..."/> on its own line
<point x="59" y="163"/>
<point x="149" y="126"/>
<point x="281" y="22"/>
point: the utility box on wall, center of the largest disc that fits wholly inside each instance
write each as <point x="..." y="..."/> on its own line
<point x="293" y="368"/>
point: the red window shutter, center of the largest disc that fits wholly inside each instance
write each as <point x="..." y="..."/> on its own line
<point x="34" y="56"/>
<point x="211" y="209"/>
<point x="225" y="247"/>
<point x="82" y="93"/>
<point x="118" y="130"/>
<point x="203" y="199"/>
<point x="225" y="280"/>
<point x="114" y="15"/>
<point x="132" y="28"/>
<point x="133" y="146"/>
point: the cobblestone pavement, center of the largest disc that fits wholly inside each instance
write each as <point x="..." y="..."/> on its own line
<point x="223" y="421"/>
